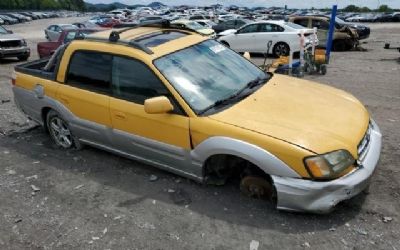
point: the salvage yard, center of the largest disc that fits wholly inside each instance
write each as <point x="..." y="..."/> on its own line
<point x="90" y="199"/>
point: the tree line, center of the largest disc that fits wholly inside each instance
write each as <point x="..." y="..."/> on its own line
<point x="354" y="8"/>
<point x="42" y="5"/>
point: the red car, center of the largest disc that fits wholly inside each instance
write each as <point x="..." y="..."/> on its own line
<point x="108" y="22"/>
<point x="46" y="49"/>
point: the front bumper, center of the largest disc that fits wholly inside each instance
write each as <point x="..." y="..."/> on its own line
<point x="14" y="52"/>
<point x="321" y="197"/>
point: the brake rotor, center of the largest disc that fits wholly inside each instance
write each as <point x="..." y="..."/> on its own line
<point x="257" y="187"/>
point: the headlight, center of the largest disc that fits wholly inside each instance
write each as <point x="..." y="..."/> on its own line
<point x="330" y="165"/>
<point x="23" y="42"/>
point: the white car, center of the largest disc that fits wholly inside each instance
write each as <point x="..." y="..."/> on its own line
<point x="254" y="37"/>
<point x="206" y="23"/>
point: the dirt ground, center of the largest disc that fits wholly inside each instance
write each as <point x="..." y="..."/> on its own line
<point x="89" y="199"/>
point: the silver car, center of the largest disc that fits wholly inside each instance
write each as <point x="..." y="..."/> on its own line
<point x="13" y="46"/>
<point x="53" y="32"/>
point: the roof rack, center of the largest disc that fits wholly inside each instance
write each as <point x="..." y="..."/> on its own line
<point x="114" y="36"/>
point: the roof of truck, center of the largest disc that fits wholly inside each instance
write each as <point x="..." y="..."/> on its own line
<point x="155" y="41"/>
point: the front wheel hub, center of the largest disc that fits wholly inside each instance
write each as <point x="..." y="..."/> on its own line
<point x="257" y="187"/>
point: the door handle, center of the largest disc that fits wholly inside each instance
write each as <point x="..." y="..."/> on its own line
<point x="120" y="115"/>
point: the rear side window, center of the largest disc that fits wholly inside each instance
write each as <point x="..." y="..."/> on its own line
<point x="90" y="71"/>
<point x="302" y="22"/>
<point x="134" y="81"/>
<point x="320" y="24"/>
<point x="249" y="29"/>
<point x="270" y="27"/>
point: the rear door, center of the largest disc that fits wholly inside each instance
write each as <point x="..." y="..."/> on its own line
<point x="85" y="95"/>
<point x="269" y="32"/>
<point x="160" y="138"/>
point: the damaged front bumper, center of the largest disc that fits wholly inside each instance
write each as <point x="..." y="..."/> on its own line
<point x="321" y="197"/>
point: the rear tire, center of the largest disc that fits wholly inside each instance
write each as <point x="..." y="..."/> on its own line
<point x="60" y="132"/>
<point x="281" y="49"/>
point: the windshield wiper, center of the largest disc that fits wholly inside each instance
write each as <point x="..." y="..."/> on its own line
<point x="249" y="85"/>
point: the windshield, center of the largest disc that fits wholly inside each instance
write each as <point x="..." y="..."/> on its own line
<point x="339" y="21"/>
<point x="194" y="26"/>
<point x="72" y="34"/>
<point x="206" y="73"/>
<point x="3" y="30"/>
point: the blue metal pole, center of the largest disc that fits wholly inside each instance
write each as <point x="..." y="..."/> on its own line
<point x="330" y="33"/>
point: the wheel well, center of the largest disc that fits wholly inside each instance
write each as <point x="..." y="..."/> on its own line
<point x="45" y="111"/>
<point x="222" y="168"/>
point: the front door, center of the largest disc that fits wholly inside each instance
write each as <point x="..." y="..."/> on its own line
<point x="162" y="139"/>
<point x="245" y="39"/>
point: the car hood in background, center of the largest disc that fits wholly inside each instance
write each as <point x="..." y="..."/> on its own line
<point x="8" y="37"/>
<point x="227" y="32"/>
<point x="206" y="31"/>
<point x="313" y="116"/>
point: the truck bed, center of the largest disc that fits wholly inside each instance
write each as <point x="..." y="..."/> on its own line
<point x="36" y="68"/>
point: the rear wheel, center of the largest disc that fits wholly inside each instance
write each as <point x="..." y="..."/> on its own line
<point x="281" y="49"/>
<point x="59" y="130"/>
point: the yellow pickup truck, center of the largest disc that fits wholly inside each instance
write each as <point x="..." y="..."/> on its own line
<point x="187" y="104"/>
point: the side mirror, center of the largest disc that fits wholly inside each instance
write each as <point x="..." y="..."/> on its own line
<point x="158" y="105"/>
<point x="10" y="32"/>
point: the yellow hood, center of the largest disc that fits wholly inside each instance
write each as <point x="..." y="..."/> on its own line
<point x="313" y="116"/>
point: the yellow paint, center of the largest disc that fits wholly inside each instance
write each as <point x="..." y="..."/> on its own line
<point x="158" y="105"/>
<point x="168" y="128"/>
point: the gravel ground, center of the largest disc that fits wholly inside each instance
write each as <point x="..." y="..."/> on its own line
<point x="89" y="199"/>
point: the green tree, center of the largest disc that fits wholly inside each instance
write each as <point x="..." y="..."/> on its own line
<point x="351" y="8"/>
<point x="384" y="8"/>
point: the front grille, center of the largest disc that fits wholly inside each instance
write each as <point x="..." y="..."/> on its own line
<point x="363" y="146"/>
<point x="10" y="44"/>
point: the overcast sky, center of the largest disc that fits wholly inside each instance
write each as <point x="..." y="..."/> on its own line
<point x="252" y="3"/>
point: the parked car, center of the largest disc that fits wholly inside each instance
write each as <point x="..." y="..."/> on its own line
<point x="206" y="23"/>
<point x="230" y="24"/>
<point x="344" y="37"/>
<point x="149" y="19"/>
<point x="363" y="31"/>
<point x="34" y="17"/>
<point x="53" y="32"/>
<point x="12" y="45"/>
<point x="195" y="26"/>
<point x="8" y="20"/>
<point x="46" y="49"/>
<point x="254" y="37"/>
<point x="190" y="105"/>
<point x="396" y="17"/>
<point x="20" y="18"/>
<point x="200" y="17"/>
<point x="108" y="22"/>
